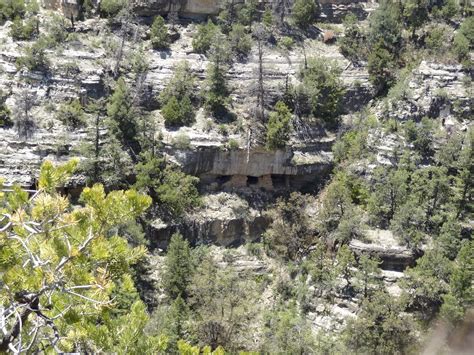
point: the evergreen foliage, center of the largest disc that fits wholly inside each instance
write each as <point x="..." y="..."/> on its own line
<point x="279" y="127"/>
<point x="5" y="113"/>
<point x="178" y="268"/>
<point x="62" y="276"/>
<point x="24" y="30"/>
<point x="159" y="34"/>
<point x="111" y="8"/>
<point x="216" y="92"/>
<point x="381" y="66"/>
<point x="380" y="328"/>
<point x="289" y="235"/>
<point x="240" y="41"/>
<point x="305" y="13"/>
<point x="11" y="9"/>
<point x="415" y="13"/>
<point x="323" y="87"/>
<point x="72" y="114"/>
<point x="176" y="98"/>
<point x="204" y="36"/>
<point x="173" y="188"/>
<point x="121" y="112"/>
<point x="34" y="56"/>
<point x="353" y="44"/>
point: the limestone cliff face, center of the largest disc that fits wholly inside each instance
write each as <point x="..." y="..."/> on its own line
<point x="433" y="90"/>
<point x="183" y="7"/>
<point x="224" y="219"/>
<point x="256" y="167"/>
<point x="67" y="7"/>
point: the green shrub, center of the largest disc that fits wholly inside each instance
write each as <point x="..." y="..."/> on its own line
<point x="450" y="9"/>
<point x="5" y="114"/>
<point x="421" y="135"/>
<point x="248" y="13"/>
<point x="467" y="29"/>
<point x="278" y="127"/>
<point x="351" y="146"/>
<point x="386" y="27"/>
<point x="178" y="191"/>
<point x="436" y="38"/>
<point x="72" y="114"/>
<point x="240" y="41"/>
<point x="122" y="113"/>
<point x="177" y="107"/>
<point x="57" y="29"/>
<point x="34" y="56"/>
<point x="24" y="30"/>
<point x="216" y="92"/>
<point x="182" y="141"/>
<point x="180" y="85"/>
<point x="286" y="42"/>
<point x="353" y="45"/>
<point x="87" y="8"/>
<point x="267" y="17"/>
<point x="305" y="12"/>
<point x="11" y="9"/>
<point x="461" y="47"/>
<point x="233" y="144"/>
<point x="203" y="37"/>
<point x="159" y="34"/>
<point x="172" y="188"/>
<point x="323" y="87"/>
<point x="110" y="8"/>
<point x="32" y="7"/>
<point x="178" y="113"/>
<point x="381" y="66"/>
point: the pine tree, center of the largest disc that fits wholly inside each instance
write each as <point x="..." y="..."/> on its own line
<point x="178" y="268"/>
<point x="367" y="280"/>
<point x="66" y="277"/>
<point x="415" y="13"/>
<point x="345" y="262"/>
<point x="216" y="91"/>
<point x="203" y="39"/>
<point x="323" y="88"/>
<point x="381" y="328"/>
<point x="159" y="33"/>
<point x="120" y="111"/>
<point x="386" y="27"/>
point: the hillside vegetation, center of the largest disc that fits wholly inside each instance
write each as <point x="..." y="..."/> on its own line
<point x="283" y="177"/>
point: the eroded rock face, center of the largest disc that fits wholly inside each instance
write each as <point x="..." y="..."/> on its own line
<point x="382" y="245"/>
<point x="336" y="10"/>
<point x="241" y="168"/>
<point x="182" y="7"/>
<point x="81" y="70"/>
<point x="433" y="90"/>
<point x="224" y="219"/>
